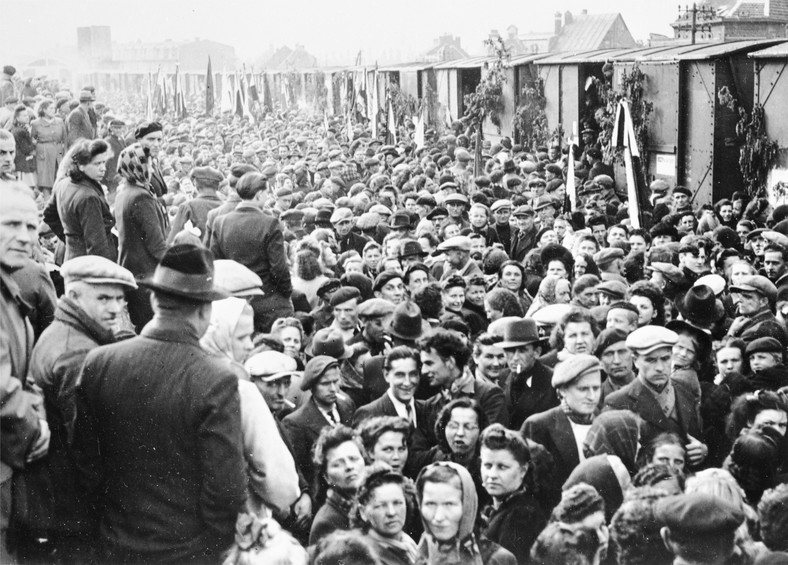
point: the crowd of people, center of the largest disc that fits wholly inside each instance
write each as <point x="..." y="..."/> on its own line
<point x="282" y="340"/>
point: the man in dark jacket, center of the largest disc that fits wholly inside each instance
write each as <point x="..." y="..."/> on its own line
<point x="524" y="239"/>
<point x="254" y="239"/>
<point x="149" y="135"/>
<point x="755" y="297"/>
<point x="86" y="317"/>
<point x="117" y="144"/>
<point x="348" y="240"/>
<point x="206" y="181"/>
<point x="158" y="430"/>
<point x="78" y="121"/>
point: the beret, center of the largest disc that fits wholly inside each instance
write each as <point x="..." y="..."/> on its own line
<point x="315" y="369"/>
<point x="208" y="175"/>
<point x="523" y="211"/>
<point x="371" y="162"/>
<point x="682" y="190"/>
<point x="116" y="122"/>
<point x="375" y="308"/>
<point x="329" y="286"/>
<point x="698" y="514"/>
<point x="341" y="214"/>
<point x="608" y="337"/>
<point x="757" y="283"/>
<point x="459" y="242"/>
<point x="323" y="203"/>
<point x="514" y="181"/>
<point x="573" y="368"/>
<point x="271" y="365"/>
<point x="323" y="216"/>
<point x="94" y="269"/>
<point x="501" y="204"/>
<point x="344" y="294"/>
<point x="237" y="279"/>
<point x="437" y="212"/>
<point x="482" y="181"/>
<point x="146" y="128"/>
<point x="269" y="171"/>
<point x="648" y="338"/>
<point x="614" y="288"/>
<point x="608" y="255"/>
<point x="426" y="200"/>
<point x="764" y="345"/>
<point x="384" y="278"/>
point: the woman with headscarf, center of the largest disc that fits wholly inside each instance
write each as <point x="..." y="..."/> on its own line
<point x="142" y="227"/>
<point x="544" y="297"/>
<point x="229" y="338"/>
<point x="615" y="432"/>
<point x="449" y="507"/>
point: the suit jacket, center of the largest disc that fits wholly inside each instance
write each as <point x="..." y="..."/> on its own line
<point x="522" y="243"/>
<point x="553" y="430"/>
<point x="303" y="428"/>
<point x="488" y="395"/>
<point x="637" y="398"/>
<point x="523" y="403"/>
<point x="158" y="444"/>
<point x="79" y="126"/>
<point x="254" y="239"/>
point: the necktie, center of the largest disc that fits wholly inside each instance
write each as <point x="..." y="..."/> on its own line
<point x="409" y="410"/>
<point x="331" y="418"/>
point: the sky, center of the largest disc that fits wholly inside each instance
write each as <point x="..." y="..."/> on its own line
<point x="328" y="30"/>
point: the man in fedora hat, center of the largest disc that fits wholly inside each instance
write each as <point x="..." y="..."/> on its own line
<point x="158" y="406"/>
<point x="755" y="298"/>
<point x="328" y="406"/>
<point x="444" y="358"/>
<point x="78" y="123"/>
<point x="528" y="389"/>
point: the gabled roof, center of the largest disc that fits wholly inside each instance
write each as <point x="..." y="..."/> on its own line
<point x="589" y="31"/>
<point x="750" y="9"/>
<point x="445" y="52"/>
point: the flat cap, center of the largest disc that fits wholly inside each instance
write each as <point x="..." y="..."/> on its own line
<point x="208" y="175"/>
<point x="371" y="162"/>
<point x="551" y="314"/>
<point x="659" y="186"/>
<point x="381" y="210"/>
<point x="575" y="367"/>
<point x="455" y="199"/>
<point x="344" y="294"/>
<point x="698" y="514"/>
<point x="616" y="289"/>
<point x="341" y="214"/>
<point x="292" y="215"/>
<point x="94" y="269"/>
<point x="458" y="242"/>
<point x="270" y="365"/>
<point x="608" y="337"/>
<point x="437" y="212"/>
<point x="315" y="369"/>
<point x="367" y="221"/>
<point x="523" y="211"/>
<point x="671" y="271"/>
<point x="608" y="255"/>
<point x="764" y="345"/>
<point x="329" y="286"/>
<point x="757" y="283"/>
<point x="649" y="338"/>
<point x="375" y="308"/>
<point x="604" y="180"/>
<point x="237" y="279"/>
<point x="501" y="205"/>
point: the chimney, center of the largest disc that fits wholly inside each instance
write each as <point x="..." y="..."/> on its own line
<point x="557" y="24"/>
<point x="567" y="18"/>
<point x="584" y="12"/>
<point x="494" y="35"/>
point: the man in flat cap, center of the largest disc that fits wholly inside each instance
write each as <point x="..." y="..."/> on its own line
<point x="458" y="259"/>
<point x="699" y="528"/>
<point x="342" y="222"/>
<point x="610" y="261"/>
<point x="754" y="298"/>
<point x="524" y="239"/>
<point x="159" y="407"/>
<point x="664" y="404"/>
<point x="207" y="181"/>
<point x="328" y="406"/>
<point x="87" y="316"/>
<point x="78" y="123"/>
<point x="374" y="315"/>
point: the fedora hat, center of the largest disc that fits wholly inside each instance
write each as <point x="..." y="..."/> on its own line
<point x="519" y="333"/>
<point x="700" y="306"/>
<point x="405" y="323"/>
<point x="187" y="271"/>
<point x="328" y="341"/>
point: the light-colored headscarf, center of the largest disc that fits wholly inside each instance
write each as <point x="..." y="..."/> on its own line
<point x="218" y="340"/>
<point x="133" y="165"/>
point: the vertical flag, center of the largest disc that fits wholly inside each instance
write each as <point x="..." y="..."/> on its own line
<point x="149" y="102"/>
<point x="161" y="93"/>
<point x="209" y="90"/>
<point x="624" y="136"/>
<point x="227" y="93"/>
<point x="392" y="125"/>
<point x="180" y="98"/>
<point x="374" y="104"/>
<point x="418" y="136"/>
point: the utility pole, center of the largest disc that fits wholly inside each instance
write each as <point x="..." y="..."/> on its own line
<point x="692" y="14"/>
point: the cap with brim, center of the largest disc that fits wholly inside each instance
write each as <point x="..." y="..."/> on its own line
<point x="519" y="333"/>
<point x="523" y="211"/>
<point x="756" y="233"/>
<point x="501" y="205"/>
<point x="756" y="283"/>
<point x="316" y="368"/>
<point x="237" y="279"/>
<point x="269" y="366"/>
<point x="650" y="338"/>
<point x="574" y="367"/>
<point x="715" y="282"/>
<point x="94" y="269"/>
<point x="194" y="280"/>
<point x="458" y="242"/>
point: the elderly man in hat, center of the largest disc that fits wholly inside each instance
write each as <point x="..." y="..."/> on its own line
<point x="374" y="315"/>
<point x="699" y="528"/>
<point x="444" y="359"/>
<point x="328" y="406"/>
<point x="501" y="211"/>
<point x="524" y="239"/>
<point x="78" y="123"/>
<point x="88" y="316"/>
<point x="150" y="135"/>
<point x="158" y="433"/>
<point x="207" y="181"/>
<point x="754" y="298"/>
<point x="457" y="206"/>
<point x="342" y="222"/>
<point x="255" y="239"/>
<point x="458" y="259"/>
<point x="527" y="390"/>
<point x="663" y="404"/>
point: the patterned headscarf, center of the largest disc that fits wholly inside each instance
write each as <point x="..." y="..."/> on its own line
<point x="133" y="165"/>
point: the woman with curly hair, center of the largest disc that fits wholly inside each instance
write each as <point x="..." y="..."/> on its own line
<point x="309" y="273"/>
<point x="635" y="532"/>
<point x="290" y="332"/>
<point x="649" y="301"/>
<point x="511" y="276"/>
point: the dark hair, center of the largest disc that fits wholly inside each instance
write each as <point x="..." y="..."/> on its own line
<point x="401" y="352"/>
<point x="505" y="301"/>
<point x="655" y="473"/>
<point x="519" y="266"/>
<point x="485" y="339"/>
<point x="636" y="533"/>
<point x="376" y="475"/>
<point x="345" y="546"/>
<point x="330" y="438"/>
<point x="773" y="515"/>
<point x="413" y="268"/>
<point x="42" y="107"/>
<point x="81" y="154"/>
<point x="447" y="344"/>
<point x="429" y="300"/>
<point x="453" y="281"/>
<point x="371" y="429"/>
<point x="591" y="266"/>
<point x="558" y="544"/>
<point x="648" y="289"/>
<point x="250" y="184"/>
<point x="641" y="233"/>
<point x="436" y="473"/>
<point x="445" y="415"/>
<point x="577" y="503"/>
<point x="575" y="316"/>
<point x="496" y="437"/>
<point x="746" y="407"/>
<point x="664" y="438"/>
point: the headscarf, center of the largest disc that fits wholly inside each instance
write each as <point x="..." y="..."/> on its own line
<point x="465" y="550"/>
<point x="615" y="432"/>
<point x="544" y="297"/>
<point x="218" y="340"/>
<point x="599" y="472"/>
<point x="133" y="165"/>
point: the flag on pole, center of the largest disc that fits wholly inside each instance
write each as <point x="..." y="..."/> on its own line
<point x="624" y="136"/>
<point x="227" y="93"/>
<point x="160" y="93"/>
<point x="374" y="104"/>
<point x="418" y="136"/>
<point x="180" y="98"/>
<point x="149" y="101"/>
<point x="209" y="90"/>
<point x="392" y="125"/>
